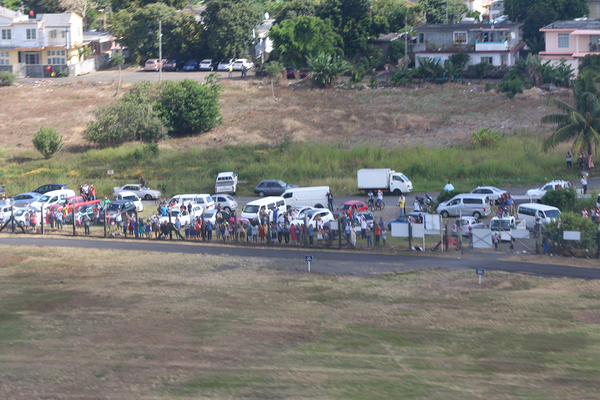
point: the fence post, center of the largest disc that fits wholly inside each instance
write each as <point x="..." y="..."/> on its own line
<point x="538" y="239"/>
<point x="104" y="221"/>
<point x="339" y="231"/>
<point x="12" y="218"/>
<point x="136" y="225"/>
<point x="42" y="218"/>
<point x="170" y="225"/>
<point x="74" y="223"/>
<point x="410" y="235"/>
<point x="459" y="234"/>
<point x="598" y="243"/>
<point x="446" y="236"/>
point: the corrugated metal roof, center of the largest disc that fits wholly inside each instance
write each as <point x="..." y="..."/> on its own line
<point x="61" y="20"/>
<point x="586" y="24"/>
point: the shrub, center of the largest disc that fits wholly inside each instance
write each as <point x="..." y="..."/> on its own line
<point x="485" y="137"/>
<point x="189" y="107"/>
<point x="401" y="76"/>
<point x="396" y="50"/>
<point x="446" y="195"/>
<point x="573" y="222"/>
<point x="275" y="71"/>
<point x="373" y="82"/>
<point x="47" y="141"/>
<point x="511" y="87"/>
<point x="480" y="69"/>
<point x="563" y="199"/>
<point x="6" y="78"/>
<point x="325" y="69"/>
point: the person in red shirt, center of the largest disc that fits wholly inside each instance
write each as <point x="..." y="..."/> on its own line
<point x="377" y="235"/>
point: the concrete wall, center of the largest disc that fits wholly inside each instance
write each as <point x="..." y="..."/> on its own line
<point x="84" y="67"/>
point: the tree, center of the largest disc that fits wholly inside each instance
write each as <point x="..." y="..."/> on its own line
<point x="229" y="26"/>
<point x="47" y="141"/>
<point x="190" y="107"/>
<point x="275" y="71"/>
<point x="118" y="59"/>
<point x="325" y="69"/>
<point x="436" y="10"/>
<point x="538" y="13"/>
<point x="118" y="5"/>
<point x="298" y="39"/>
<point x="394" y="13"/>
<point x="351" y="20"/>
<point x="580" y="123"/>
<point x="296" y="8"/>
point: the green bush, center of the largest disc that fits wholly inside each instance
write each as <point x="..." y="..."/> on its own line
<point x="47" y="141"/>
<point x="563" y="199"/>
<point x="511" y="87"/>
<point x="373" y="82"/>
<point x="480" y="69"/>
<point x="485" y="137"/>
<point x="6" y="78"/>
<point x="446" y="195"/>
<point x="396" y="50"/>
<point x="325" y="69"/>
<point x="188" y="107"/>
<point x="573" y="222"/>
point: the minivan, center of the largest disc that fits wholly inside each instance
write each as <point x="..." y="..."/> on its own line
<point x="205" y="200"/>
<point x="530" y="211"/>
<point x="52" y="197"/>
<point x="477" y="205"/>
<point x="315" y="196"/>
<point x="252" y="210"/>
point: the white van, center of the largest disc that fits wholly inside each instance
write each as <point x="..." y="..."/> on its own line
<point x="205" y="200"/>
<point x="477" y="205"/>
<point x="50" y="198"/>
<point x="530" y="211"/>
<point x="127" y="195"/>
<point x="252" y="210"/>
<point x="315" y="196"/>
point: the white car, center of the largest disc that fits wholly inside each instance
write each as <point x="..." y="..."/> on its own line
<point x="20" y="215"/>
<point x="224" y="64"/>
<point x="473" y="222"/>
<point x="49" y="198"/>
<point x="6" y="210"/>
<point x="325" y="214"/>
<point x="492" y="192"/>
<point x="241" y="62"/>
<point x="540" y="192"/>
<point x="226" y="183"/>
<point x="227" y="202"/>
<point x="184" y="216"/>
<point x="142" y="192"/>
<point x="126" y="195"/>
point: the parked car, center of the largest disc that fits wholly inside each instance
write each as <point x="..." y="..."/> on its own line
<point x="52" y="197"/>
<point x="291" y="73"/>
<point x="418" y="218"/>
<point x="72" y="201"/>
<point x="6" y="209"/>
<point x="85" y="210"/>
<point x="369" y="218"/>
<point x="473" y="222"/>
<point x="183" y="215"/>
<point x="207" y="65"/>
<point x="241" y="62"/>
<point x="224" y="64"/>
<point x="540" y="192"/>
<point x="152" y="64"/>
<point x="25" y="198"/>
<point x="465" y="204"/>
<point x="20" y="214"/>
<point x="50" y="187"/>
<point x="492" y="192"/>
<point x="191" y="65"/>
<point x="119" y="206"/>
<point x="347" y="206"/>
<point x="205" y="200"/>
<point x="127" y="195"/>
<point x="272" y="187"/>
<point x="300" y="209"/>
<point x="142" y="192"/>
<point x="226" y="202"/>
<point x="173" y="65"/>
<point x="324" y="213"/>
<point x="226" y="183"/>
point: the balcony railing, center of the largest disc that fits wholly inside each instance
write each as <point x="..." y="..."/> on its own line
<point x="491" y="46"/>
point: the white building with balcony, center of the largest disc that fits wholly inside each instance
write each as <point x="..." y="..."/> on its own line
<point x="28" y="45"/>
<point x="495" y="44"/>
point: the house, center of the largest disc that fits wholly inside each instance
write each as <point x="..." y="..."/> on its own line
<point x="495" y="44"/>
<point x="594" y="8"/>
<point x="30" y="43"/>
<point x="571" y="40"/>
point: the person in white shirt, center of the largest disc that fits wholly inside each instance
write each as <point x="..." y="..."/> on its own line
<point x="584" y="184"/>
<point x="449" y="187"/>
<point x="379" y="197"/>
<point x="416" y="206"/>
<point x="363" y="226"/>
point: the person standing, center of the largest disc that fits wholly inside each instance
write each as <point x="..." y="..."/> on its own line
<point x="590" y="161"/>
<point x="470" y="236"/>
<point x="86" y="224"/>
<point x="387" y="71"/>
<point x="230" y="70"/>
<point x="368" y="235"/>
<point x="401" y="203"/>
<point x="379" y="197"/>
<point x="584" y="184"/>
<point x="449" y="187"/>
<point x="495" y="239"/>
<point x="330" y="200"/>
<point x="569" y="165"/>
<point x="416" y="206"/>
<point x="581" y="161"/>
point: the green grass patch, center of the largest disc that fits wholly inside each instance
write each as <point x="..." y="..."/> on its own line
<point x="516" y="160"/>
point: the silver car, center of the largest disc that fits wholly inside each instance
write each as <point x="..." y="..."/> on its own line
<point x="473" y="222"/>
<point x="227" y="202"/>
<point x="25" y="198"/>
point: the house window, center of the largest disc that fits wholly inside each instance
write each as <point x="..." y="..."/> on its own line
<point x="4" y="58"/>
<point x="460" y="37"/>
<point x="31" y="33"/>
<point x="6" y="34"/>
<point x="487" y="60"/>
<point x="503" y="59"/>
<point x="54" y="34"/>
<point x="563" y="40"/>
<point x="421" y="38"/>
<point x="56" y="57"/>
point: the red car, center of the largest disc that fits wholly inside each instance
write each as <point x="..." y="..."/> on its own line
<point x="349" y="205"/>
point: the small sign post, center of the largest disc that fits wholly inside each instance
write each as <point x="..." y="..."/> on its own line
<point x="480" y="272"/>
<point x="308" y="259"/>
<point x="110" y="172"/>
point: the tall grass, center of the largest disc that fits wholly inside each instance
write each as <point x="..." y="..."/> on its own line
<point x="514" y="161"/>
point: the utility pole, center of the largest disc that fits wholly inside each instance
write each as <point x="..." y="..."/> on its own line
<point x="159" y="50"/>
<point x="405" y="43"/>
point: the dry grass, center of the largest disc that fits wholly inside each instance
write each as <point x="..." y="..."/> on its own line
<point x="115" y="325"/>
<point x="420" y="115"/>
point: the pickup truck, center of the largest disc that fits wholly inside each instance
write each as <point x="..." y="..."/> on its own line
<point x="72" y="201"/>
<point x="226" y="183"/>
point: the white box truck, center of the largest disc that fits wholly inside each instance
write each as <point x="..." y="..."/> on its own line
<point x="385" y="179"/>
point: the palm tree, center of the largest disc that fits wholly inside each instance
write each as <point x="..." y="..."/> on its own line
<point x="580" y="123"/>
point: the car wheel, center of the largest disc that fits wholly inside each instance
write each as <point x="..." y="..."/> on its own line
<point x="147" y="197"/>
<point x="477" y="214"/>
<point x="445" y="214"/>
<point x="397" y="192"/>
<point x="261" y="194"/>
<point x="227" y="209"/>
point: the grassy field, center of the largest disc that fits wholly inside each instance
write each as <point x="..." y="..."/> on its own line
<point x="110" y="324"/>
<point x="307" y="137"/>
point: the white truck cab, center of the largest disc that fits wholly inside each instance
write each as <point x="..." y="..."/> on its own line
<point x="226" y="183"/>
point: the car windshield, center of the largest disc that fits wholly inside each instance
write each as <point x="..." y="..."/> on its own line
<point x="43" y="199"/>
<point x="20" y="212"/>
<point x="62" y="201"/>
<point x="282" y="183"/>
<point x="251" y="209"/>
<point x="230" y="198"/>
<point x="191" y="62"/>
<point x="150" y="62"/>
<point x="114" y="207"/>
<point x="225" y="61"/>
<point x="504" y="224"/>
<point x="552" y="213"/>
<point x="344" y="207"/>
<point x="209" y="214"/>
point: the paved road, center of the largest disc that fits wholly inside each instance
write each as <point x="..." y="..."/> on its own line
<point x="328" y="262"/>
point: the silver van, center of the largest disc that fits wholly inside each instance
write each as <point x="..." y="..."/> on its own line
<point x="252" y="210"/>
<point x="477" y="205"/>
<point x="530" y="211"/>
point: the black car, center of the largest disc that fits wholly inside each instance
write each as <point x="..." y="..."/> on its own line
<point x="272" y="187"/>
<point x="50" y="187"/>
<point x="173" y="65"/>
<point x="119" y="206"/>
